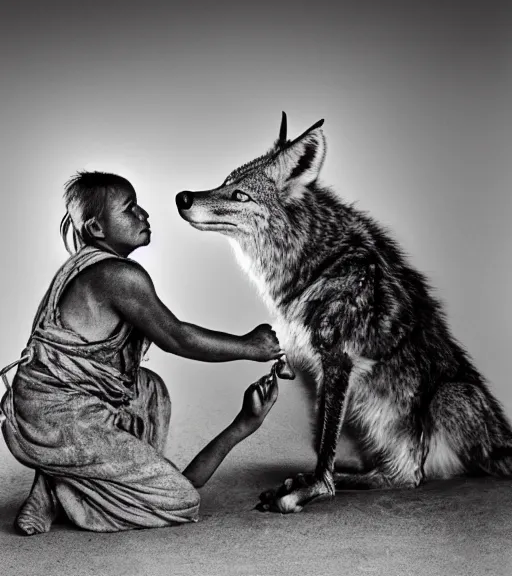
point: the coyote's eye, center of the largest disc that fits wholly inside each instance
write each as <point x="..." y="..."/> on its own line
<point x="240" y="196"/>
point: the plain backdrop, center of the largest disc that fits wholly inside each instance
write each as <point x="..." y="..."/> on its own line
<point x="416" y="100"/>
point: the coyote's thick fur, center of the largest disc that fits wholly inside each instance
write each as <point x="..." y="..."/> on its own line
<point x="356" y="317"/>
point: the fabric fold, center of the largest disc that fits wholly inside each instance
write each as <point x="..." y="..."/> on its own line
<point x="94" y="423"/>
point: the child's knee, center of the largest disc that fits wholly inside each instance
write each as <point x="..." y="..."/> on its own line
<point x="181" y="488"/>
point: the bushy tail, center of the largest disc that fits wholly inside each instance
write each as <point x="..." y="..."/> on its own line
<point x="498" y="462"/>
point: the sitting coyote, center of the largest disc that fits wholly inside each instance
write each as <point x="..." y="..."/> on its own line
<point x="356" y="318"/>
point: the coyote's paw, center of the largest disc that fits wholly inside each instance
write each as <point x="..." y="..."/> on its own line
<point x="294" y="494"/>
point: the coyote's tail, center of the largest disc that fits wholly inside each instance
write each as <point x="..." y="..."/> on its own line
<point x="499" y="461"/>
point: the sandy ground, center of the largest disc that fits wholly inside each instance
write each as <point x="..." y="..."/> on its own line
<point x="461" y="527"/>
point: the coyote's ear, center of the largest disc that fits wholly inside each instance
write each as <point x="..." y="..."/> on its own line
<point x="299" y="163"/>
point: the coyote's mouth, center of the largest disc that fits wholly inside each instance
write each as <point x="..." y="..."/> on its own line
<point x="212" y="225"/>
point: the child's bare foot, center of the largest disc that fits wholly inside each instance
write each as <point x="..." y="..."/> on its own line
<point x="39" y="510"/>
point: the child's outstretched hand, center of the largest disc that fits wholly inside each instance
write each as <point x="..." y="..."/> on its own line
<point x="262" y="344"/>
<point x="258" y="400"/>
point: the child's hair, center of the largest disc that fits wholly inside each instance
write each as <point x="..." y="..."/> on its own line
<point x="85" y="197"/>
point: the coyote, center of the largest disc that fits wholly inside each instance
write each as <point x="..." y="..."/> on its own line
<point x="360" y="323"/>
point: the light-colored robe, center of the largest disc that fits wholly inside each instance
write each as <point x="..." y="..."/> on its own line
<point x="87" y="417"/>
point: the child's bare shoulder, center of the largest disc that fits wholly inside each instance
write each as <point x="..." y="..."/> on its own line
<point x="108" y="278"/>
<point x="111" y="274"/>
<point x="91" y="302"/>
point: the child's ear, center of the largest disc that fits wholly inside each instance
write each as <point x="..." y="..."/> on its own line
<point x="299" y="165"/>
<point x="94" y="228"/>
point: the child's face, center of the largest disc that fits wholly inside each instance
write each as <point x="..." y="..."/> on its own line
<point x="124" y="223"/>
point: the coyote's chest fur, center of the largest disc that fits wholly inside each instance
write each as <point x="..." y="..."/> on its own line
<point x="293" y="333"/>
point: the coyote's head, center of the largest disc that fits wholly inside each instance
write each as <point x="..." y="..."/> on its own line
<point x="257" y="197"/>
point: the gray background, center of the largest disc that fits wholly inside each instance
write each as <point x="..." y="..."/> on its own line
<point x="416" y="101"/>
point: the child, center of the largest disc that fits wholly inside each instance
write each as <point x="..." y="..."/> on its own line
<point x="82" y="412"/>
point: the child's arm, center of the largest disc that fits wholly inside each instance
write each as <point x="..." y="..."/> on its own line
<point x="258" y="400"/>
<point x="130" y="292"/>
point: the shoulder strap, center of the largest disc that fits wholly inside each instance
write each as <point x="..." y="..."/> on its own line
<point x="78" y="262"/>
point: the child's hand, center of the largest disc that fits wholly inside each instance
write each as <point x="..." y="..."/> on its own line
<point x="263" y="344"/>
<point x="258" y="400"/>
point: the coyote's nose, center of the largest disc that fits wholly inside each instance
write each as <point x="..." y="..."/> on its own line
<point x="184" y="200"/>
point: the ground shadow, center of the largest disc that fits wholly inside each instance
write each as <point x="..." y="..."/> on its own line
<point x="236" y="489"/>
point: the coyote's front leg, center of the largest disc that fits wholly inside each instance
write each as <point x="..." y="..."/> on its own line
<point x="343" y="320"/>
<point x="296" y="492"/>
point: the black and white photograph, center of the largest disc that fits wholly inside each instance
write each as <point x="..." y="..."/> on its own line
<point x="255" y="292"/>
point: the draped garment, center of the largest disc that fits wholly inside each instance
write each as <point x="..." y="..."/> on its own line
<point x="94" y="423"/>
